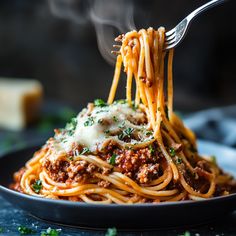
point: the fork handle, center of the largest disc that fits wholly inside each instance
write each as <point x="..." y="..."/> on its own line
<point x="204" y="8"/>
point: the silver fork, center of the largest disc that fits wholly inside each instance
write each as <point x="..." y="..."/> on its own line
<point x="177" y="34"/>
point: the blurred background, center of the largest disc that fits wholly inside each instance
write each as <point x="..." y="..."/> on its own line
<point x="66" y="44"/>
<point x="55" y="42"/>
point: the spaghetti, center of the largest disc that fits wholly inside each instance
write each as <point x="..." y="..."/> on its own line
<point x="127" y="151"/>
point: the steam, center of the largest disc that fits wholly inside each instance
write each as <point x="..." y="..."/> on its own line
<point x="109" y="17"/>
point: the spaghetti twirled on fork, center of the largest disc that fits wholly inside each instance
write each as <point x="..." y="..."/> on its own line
<point x="127" y="151"/>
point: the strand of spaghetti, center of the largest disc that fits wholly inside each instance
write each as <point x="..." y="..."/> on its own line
<point x="140" y="72"/>
<point x="147" y="54"/>
<point x="95" y="160"/>
<point x="45" y="177"/>
<point x="158" y="137"/>
<point x="179" y="197"/>
<point x="88" y="200"/>
<point x="119" y="181"/>
<point x="190" y="190"/>
<point x="164" y="184"/>
<point x="106" y="191"/>
<point x="170" y="84"/>
<point x="115" y="80"/>
<point x="155" y="62"/>
<point x="144" y="190"/>
<point x="129" y="84"/>
<point x="37" y="156"/>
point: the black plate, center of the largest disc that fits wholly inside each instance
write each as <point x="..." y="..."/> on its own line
<point x="121" y="216"/>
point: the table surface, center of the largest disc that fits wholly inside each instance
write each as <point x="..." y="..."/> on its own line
<point x="11" y="218"/>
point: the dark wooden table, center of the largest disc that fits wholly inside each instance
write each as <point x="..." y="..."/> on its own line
<point x="11" y="218"/>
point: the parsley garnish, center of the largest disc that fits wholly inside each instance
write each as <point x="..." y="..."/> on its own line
<point x="126" y="133"/>
<point x="84" y="150"/>
<point x="111" y="232"/>
<point x="187" y="233"/>
<point x="100" y="121"/>
<point x="51" y="232"/>
<point x="179" y="160"/>
<point x="172" y="152"/>
<point x="70" y="127"/>
<point x="115" y="119"/>
<point x="24" y="230"/>
<point x="99" y="103"/>
<point x="107" y="131"/>
<point x="89" y="122"/>
<point x="37" y="186"/>
<point x="151" y="149"/>
<point x="149" y="132"/>
<point x="112" y="160"/>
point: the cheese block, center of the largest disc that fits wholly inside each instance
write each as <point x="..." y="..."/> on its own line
<point x="20" y="102"/>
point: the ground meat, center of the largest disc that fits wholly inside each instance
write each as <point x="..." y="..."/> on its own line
<point x="146" y="172"/>
<point x="104" y="184"/>
<point x="69" y="171"/>
<point x="140" y="165"/>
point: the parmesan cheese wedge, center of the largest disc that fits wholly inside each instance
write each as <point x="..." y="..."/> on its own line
<point x="20" y="101"/>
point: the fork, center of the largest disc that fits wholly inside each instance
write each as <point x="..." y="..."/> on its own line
<point x="177" y="34"/>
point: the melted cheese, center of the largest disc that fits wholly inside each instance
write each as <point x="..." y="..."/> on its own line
<point x="102" y="124"/>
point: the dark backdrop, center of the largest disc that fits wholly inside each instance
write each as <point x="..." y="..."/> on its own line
<point x="64" y="55"/>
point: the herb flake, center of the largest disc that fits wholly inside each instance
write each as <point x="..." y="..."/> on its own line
<point x="84" y="151"/>
<point x="37" y="186"/>
<point x="111" y="232"/>
<point x="89" y="121"/>
<point x="172" y="151"/>
<point x="151" y="149"/>
<point x="99" y="103"/>
<point x="25" y="231"/>
<point x="51" y="232"/>
<point x="112" y="159"/>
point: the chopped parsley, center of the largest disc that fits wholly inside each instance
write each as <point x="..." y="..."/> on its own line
<point x="100" y="121"/>
<point x="107" y="131"/>
<point x="148" y="132"/>
<point x="151" y="149"/>
<point x="25" y="231"/>
<point x="84" y="150"/>
<point x="126" y="133"/>
<point x="37" y="186"/>
<point x="112" y="159"/>
<point x="187" y="233"/>
<point x="172" y="151"/>
<point x="111" y="232"/>
<point x="179" y="160"/>
<point x="70" y="127"/>
<point x="99" y="103"/>
<point x="51" y="232"/>
<point x="89" y="121"/>
<point x="115" y="119"/>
